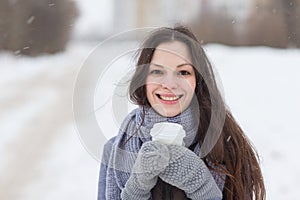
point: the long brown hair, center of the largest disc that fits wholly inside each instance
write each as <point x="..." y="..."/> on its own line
<point x="233" y="153"/>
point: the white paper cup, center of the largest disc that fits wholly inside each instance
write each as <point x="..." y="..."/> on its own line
<point x="168" y="133"/>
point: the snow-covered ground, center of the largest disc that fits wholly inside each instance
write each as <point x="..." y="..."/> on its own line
<point x="262" y="88"/>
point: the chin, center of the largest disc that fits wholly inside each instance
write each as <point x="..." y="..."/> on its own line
<point x="170" y="113"/>
<point x="166" y="110"/>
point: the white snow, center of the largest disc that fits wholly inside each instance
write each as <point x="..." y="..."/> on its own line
<point x="95" y="19"/>
<point x="67" y="173"/>
<point x="262" y="88"/>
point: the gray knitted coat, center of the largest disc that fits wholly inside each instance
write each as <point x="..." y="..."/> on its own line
<point x="119" y="154"/>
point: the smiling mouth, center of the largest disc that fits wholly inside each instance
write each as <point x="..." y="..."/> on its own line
<point x="169" y="98"/>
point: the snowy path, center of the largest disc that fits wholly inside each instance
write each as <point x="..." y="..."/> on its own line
<point x="36" y="107"/>
<point x="39" y="132"/>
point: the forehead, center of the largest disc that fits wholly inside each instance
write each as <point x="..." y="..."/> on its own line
<point x="171" y="53"/>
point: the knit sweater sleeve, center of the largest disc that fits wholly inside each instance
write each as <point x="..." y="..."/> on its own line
<point x="220" y="178"/>
<point x="102" y="182"/>
<point x="103" y="175"/>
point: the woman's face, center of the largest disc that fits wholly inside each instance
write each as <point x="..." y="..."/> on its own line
<point x="171" y="79"/>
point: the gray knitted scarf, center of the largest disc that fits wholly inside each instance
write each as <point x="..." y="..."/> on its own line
<point x="121" y="151"/>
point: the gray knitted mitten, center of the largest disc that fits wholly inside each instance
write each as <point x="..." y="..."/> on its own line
<point x="188" y="172"/>
<point x="152" y="159"/>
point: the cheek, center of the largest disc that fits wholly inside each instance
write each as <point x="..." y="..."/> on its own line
<point x="152" y="84"/>
<point x="149" y="89"/>
<point x="193" y="83"/>
<point x="190" y="85"/>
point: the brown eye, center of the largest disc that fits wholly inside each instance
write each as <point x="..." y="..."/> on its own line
<point x="184" y="73"/>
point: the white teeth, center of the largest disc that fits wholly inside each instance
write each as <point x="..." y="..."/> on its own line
<point x="169" y="98"/>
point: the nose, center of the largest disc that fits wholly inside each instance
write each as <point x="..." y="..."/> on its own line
<point x="169" y="82"/>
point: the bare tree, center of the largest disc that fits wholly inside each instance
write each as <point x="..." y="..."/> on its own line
<point x="291" y="10"/>
<point x="215" y="27"/>
<point x="274" y="23"/>
<point x="33" y="27"/>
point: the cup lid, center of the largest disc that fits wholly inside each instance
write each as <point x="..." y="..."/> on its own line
<point x="167" y="132"/>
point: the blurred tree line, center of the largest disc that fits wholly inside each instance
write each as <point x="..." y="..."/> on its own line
<point x="33" y="27"/>
<point x="274" y="23"/>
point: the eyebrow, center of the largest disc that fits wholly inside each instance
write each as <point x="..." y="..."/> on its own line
<point x="178" y="66"/>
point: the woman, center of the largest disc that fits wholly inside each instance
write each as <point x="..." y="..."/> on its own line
<point x="174" y="83"/>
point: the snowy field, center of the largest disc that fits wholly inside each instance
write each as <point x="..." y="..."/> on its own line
<point x="42" y="156"/>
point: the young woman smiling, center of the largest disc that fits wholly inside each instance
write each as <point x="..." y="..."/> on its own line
<point x="174" y="83"/>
